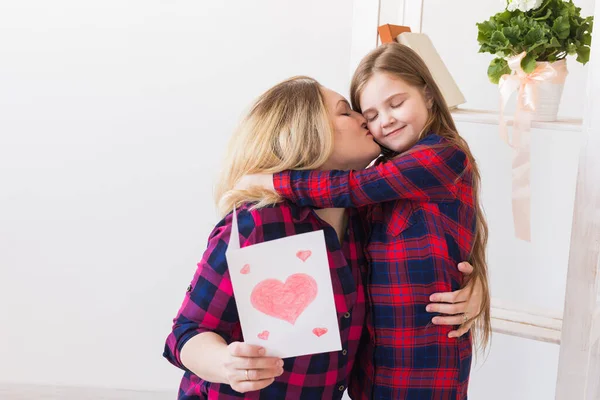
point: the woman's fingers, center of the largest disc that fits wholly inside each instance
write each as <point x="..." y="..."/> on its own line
<point x="450" y="309"/>
<point x="256" y="363"/>
<point x="247" y="369"/>
<point x="247" y="356"/>
<point x="250" y="386"/>
<point x="458" y="304"/>
<point x="465" y="268"/>
<point x="452" y="320"/>
<point x="240" y="349"/>
<point x="464" y="328"/>
<point x="450" y="297"/>
<point x="258" y="374"/>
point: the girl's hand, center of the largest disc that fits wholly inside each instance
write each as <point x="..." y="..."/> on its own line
<point x="261" y="180"/>
<point x="461" y="306"/>
<point x="247" y="369"/>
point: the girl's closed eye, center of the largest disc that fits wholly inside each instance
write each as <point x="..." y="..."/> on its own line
<point x="396" y="105"/>
<point x="371" y="118"/>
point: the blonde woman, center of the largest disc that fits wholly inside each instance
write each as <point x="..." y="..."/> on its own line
<point x="299" y="125"/>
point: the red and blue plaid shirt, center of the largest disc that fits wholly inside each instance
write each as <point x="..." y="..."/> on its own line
<point x="209" y="305"/>
<point x="414" y="246"/>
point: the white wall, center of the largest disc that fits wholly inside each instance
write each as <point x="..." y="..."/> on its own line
<point x="524" y="275"/>
<point x="113" y="119"/>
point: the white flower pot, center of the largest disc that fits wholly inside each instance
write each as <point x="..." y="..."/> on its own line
<point x="549" y="93"/>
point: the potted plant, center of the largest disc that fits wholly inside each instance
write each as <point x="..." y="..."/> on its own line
<point x="531" y="39"/>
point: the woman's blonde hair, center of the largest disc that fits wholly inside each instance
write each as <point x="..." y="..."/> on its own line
<point x="288" y="127"/>
<point x="401" y="62"/>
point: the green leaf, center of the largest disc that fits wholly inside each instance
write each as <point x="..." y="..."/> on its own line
<point x="528" y="63"/>
<point x="544" y="17"/>
<point x="540" y="10"/>
<point x="586" y="39"/>
<point x="534" y="36"/>
<point x="584" y="29"/>
<point x="484" y="48"/>
<point x="583" y="54"/>
<point x="552" y="56"/>
<point x="561" y="27"/>
<point x="567" y="9"/>
<point x="554" y="42"/>
<point x="512" y="33"/>
<point x="504" y="17"/>
<point x="521" y="22"/>
<point x="497" y="68"/>
<point x="486" y="27"/>
<point x="499" y="39"/>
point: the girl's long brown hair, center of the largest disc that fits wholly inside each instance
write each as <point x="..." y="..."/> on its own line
<point x="400" y="61"/>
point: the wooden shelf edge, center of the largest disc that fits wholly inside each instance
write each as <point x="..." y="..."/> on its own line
<point x="526" y="331"/>
<point x="540" y="325"/>
<point x="498" y="303"/>
<point x="595" y="335"/>
<point x="492" y="118"/>
<point x="527" y="318"/>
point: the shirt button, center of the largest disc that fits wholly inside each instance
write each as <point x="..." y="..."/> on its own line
<point x="341" y="388"/>
<point x="347" y="315"/>
<point x="344" y="352"/>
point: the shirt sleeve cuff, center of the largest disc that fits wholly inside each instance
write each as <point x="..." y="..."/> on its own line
<point x="283" y="185"/>
<point x="174" y="355"/>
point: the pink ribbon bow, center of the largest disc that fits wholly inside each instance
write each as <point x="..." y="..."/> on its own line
<point x="527" y="98"/>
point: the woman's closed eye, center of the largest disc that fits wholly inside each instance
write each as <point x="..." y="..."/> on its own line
<point x="345" y="110"/>
<point x="371" y="118"/>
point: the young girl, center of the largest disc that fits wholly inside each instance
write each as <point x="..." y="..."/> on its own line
<point x="424" y="218"/>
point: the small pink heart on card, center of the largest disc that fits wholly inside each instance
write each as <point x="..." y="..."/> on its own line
<point x="319" y="331"/>
<point x="245" y="269"/>
<point x="304" y="254"/>
<point x="264" y="335"/>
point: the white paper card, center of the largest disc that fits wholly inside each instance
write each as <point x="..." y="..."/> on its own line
<point x="284" y="294"/>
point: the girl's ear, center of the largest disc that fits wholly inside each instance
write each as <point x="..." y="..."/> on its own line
<point x="428" y="96"/>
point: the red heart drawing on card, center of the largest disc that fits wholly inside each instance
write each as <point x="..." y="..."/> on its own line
<point x="287" y="300"/>
<point x="304" y="254"/>
<point x="245" y="269"/>
<point x="319" y="331"/>
<point x="264" y="335"/>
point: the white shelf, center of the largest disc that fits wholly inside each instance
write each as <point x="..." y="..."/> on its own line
<point x="537" y="325"/>
<point x="492" y="118"/>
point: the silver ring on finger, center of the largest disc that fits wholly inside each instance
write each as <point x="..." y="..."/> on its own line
<point x="465" y="318"/>
<point x="247" y="377"/>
